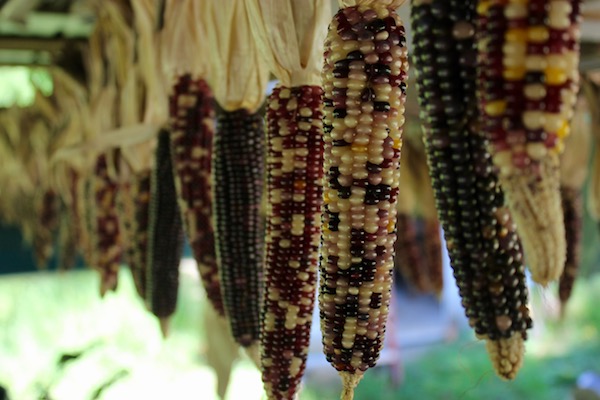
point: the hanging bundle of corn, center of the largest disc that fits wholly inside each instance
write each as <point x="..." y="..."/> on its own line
<point x="192" y="115"/>
<point x="107" y="240"/>
<point x="573" y="175"/>
<point x="165" y="237"/>
<point x="528" y="61"/>
<point x="482" y="242"/>
<point x="48" y="219"/>
<point x="293" y="49"/>
<point x="364" y="81"/>
<point x="238" y="77"/>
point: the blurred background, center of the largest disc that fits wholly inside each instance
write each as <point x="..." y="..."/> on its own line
<point x="60" y="340"/>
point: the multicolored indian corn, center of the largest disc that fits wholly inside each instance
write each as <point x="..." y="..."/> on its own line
<point x="364" y="82"/>
<point x="192" y="119"/>
<point x="107" y="240"/>
<point x="43" y="237"/>
<point x="528" y="66"/>
<point x="482" y="242"/>
<point x="238" y="174"/>
<point x="294" y="170"/>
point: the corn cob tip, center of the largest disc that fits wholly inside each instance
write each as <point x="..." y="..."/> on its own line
<point x="108" y="282"/>
<point x="253" y="352"/>
<point x="506" y="355"/>
<point x="536" y="207"/>
<point x="165" y="326"/>
<point x="349" y="381"/>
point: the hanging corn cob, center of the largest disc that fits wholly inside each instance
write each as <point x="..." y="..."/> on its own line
<point x="364" y="81"/>
<point x="432" y="249"/>
<point x="408" y="260"/>
<point x="482" y="242"/>
<point x="528" y="63"/>
<point x="107" y="241"/>
<point x="238" y="78"/>
<point x="573" y="216"/>
<point x="294" y="184"/>
<point x="48" y="219"/>
<point x="238" y="169"/>
<point x="192" y="129"/>
<point x="67" y="239"/>
<point x="574" y="164"/>
<point x="165" y="237"/>
<point x="140" y="237"/>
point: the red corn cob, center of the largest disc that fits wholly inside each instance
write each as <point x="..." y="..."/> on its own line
<point x="409" y="261"/>
<point x="107" y="236"/>
<point x="294" y="168"/>
<point x="192" y="129"/>
<point x="140" y="234"/>
<point x="432" y="248"/>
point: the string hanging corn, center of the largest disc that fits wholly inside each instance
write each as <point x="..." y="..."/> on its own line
<point x="482" y="242"/>
<point x="572" y="205"/>
<point x="238" y="172"/>
<point x="107" y="241"/>
<point x="295" y="169"/>
<point x="165" y="237"/>
<point x="140" y="231"/>
<point x="192" y="130"/>
<point x="364" y="81"/>
<point x="528" y="60"/>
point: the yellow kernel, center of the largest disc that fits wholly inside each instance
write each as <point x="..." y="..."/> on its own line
<point x="564" y="130"/>
<point x="514" y="73"/>
<point x="538" y="34"/>
<point x="483" y="7"/>
<point x="516" y="35"/>
<point x="397" y="144"/>
<point x="555" y="76"/>
<point x="359" y="148"/>
<point x="495" y="108"/>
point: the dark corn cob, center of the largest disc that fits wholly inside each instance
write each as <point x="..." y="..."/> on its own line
<point x="482" y="242"/>
<point x="140" y="230"/>
<point x="107" y="241"/>
<point x="409" y="261"/>
<point x="364" y="81"/>
<point x="165" y="237"/>
<point x="572" y="204"/>
<point x="294" y="170"/>
<point x="43" y="237"/>
<point x="528" y="80"/>
<point x="238" y="174"/>
<point x="192" y="129"/>
<point x="432" y="249"/>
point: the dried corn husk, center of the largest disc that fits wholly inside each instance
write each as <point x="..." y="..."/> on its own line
<point x="371" y="3"/>
<point x="236" y="72"/>
<point x="290" y="37"/>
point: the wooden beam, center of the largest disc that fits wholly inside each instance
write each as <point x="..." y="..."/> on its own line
<point x="51" y="45"/>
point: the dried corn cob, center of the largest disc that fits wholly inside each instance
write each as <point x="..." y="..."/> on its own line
<point x="192" y="129"/>
<point x="364" y="82"/>
<point x="528" y="63"/>
<point x="139" y="240"/>
<point x="43" y="238"/>
<point x="432" y="249"/>
<point x="126" y="210"/>
<point x="165" y="237"/>
<point x="482" y="242"/>
<point x="295" y="169"/>
<point x="238" y="170"/>
<point x="107" y="236"/>
<point x="409" y="261"/>
<point x="67" y="239"/>
<point x="573" y="214"/>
